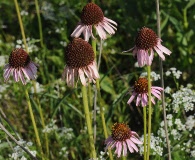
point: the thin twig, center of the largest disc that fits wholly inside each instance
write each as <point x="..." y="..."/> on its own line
<point x="162" y="82"/>
<point x="9" y="134"/>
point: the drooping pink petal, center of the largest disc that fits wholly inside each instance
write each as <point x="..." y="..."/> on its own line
<point x="135" y="140"/>
<point x="160" y="53"/>
<point x="101" y="32"/>
<point x="129" y="145"/>
<point x="21" y="77"/>
<point x="111" y="21"/>
<point x="82" y="77"/>
<point x="131" y="98"/>
<point x="124" y="148"/>
<point x="164" y="49"/>
<point x="138" y="99"/>
<point x="133" y="145"/>
<point x="78" y="30"/>
<point x="118" y="149"/>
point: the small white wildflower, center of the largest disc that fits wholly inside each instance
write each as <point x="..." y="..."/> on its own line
<point x="190" y="123"/>
<point x="169" y="116"/>
<point x="167" y="73"/>
<point x="167" y="90"/>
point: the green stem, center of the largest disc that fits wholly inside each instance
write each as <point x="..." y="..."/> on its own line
<point x="88" y="121"/>
<point x="26" y="92"/>
<point x="149" y="110"/>
<point x="21" y="24"/>
<point x="33" y="122"/>
<point x="100" y="103"/>
<point x="39" y="22"/>
<point x="145" y="128"/>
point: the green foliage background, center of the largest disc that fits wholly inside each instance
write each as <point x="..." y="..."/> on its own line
<point x="117" y="70"/>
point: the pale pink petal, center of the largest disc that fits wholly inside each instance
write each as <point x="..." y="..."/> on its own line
<point x="135" y="140"/>
<point x="138" y="99"/>
<point x="25" y="73"/>
<point x="151" y="57"/>
<point x="7" y="73"/>
<point x="82" y="77"/>
<point x="131" y="49"/>
<point x="158" y="88"/>
<point x="111" y="21"/>
<point x="101" y="32"/>
<point x="124" y="149"/>
<point x="132" y="97"/>
<point x="21" y="77"/>
<point x="156" y="95"/>
<point x="118" y="149"/>
<point x="133" y="145"/>
<point x="78" y="30"/>
<point x="152" y="99"/>
<point x="129" y="145"/>
<point x="160" y="53"/>
<point x="164" y="49"/>
<point x="87" y="33"/>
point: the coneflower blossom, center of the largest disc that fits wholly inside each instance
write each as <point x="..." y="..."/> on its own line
<point x="92" y="15"/>
<point x="122" y="138"/>
<point x="147" y="41"/>
<point x="140" y="90"/>
<point x="79" y="57"/>
<point x="20" y="66"/>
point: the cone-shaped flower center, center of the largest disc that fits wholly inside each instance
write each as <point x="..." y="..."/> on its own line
<point x="121" y="132"/>
<point x="146" y="39"/>
<point x="141" y="86"/>
<point x="79" y="53"/>
<point x="91" y="14"/>
<point x="19" y="58"/>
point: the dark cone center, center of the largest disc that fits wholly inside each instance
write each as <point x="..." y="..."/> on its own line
<point x="146" y="39"/>
<point x="79" y="53"/>
<point x="141" y="86"/>
<point x="91" y="14"/>
<point x="19" y="58"/>
<point x="121" y="132"/>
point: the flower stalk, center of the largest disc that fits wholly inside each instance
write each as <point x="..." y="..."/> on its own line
<point x="145" y="131"/>
<point x="88" y="121"/>
<point x="26" y="92"/>
<point x="149" y="110"/>
<point x="100" y="103"/>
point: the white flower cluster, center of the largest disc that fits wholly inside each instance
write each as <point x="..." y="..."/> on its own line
<point x="39" y="88"/>
<point x="3" y="60"/>
<point x="64" y="152"/>
<point x="51" y="127"/>
<point x="30" y="43"/>
<point x="183" y="98"/>
<point x="156" y="145"/>
<point x="19" y="153"/>
<point x="176" y="73"/>
<point x="101" y="156"/>
<point x="153" y="74"/>
<point x="66" y="133"/>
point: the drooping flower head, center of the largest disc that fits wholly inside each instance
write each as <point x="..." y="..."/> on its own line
<point x="20" y="66"/>
<point x="140" y="90"/>
<point x="147" y="41"/>
<point x="79" y="57"/>
<point x="122" y="138"/>
<point x="92" y="15"/>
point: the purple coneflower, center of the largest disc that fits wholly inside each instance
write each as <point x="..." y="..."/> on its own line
<point x="140" y="90"/>
<point x="79" y="57"/>
<point x="122" y="138"/>
<point x="20" y="66"/>
<point x="92" y="15"/>
<point x="148" y="41"/>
